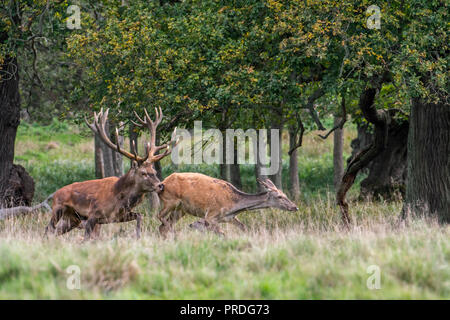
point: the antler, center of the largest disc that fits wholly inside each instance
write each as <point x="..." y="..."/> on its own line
<point x="152" y="125"/>
<point x="100" y="129"/>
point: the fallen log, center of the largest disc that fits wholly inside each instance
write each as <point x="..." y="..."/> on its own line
<point x="7" y="213"/>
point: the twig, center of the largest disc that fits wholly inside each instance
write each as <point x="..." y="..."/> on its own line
<point x="340" y="125"/>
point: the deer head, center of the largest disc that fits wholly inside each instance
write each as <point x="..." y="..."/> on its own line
<point x="142" y="171"/>
<point x="276" y="197"/>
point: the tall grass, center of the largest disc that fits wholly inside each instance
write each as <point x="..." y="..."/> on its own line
<point x="302" y="255"/>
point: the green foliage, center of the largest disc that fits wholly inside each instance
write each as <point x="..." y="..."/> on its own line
<point x="54" y="175"/>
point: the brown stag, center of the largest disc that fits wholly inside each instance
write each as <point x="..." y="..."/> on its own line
<point x="111" y="199"/>
<point x="214" y="200"/>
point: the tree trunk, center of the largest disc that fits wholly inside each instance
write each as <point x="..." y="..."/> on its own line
<point x="338" y="149"/>
<point x="133" y="139"/>
<point x="98" y="158"/>
<point x="258" y="165"/>
<point x="117" y="157"/>
<point x="9" y="120"/>
<point x="380" y="119"/>
<point x="428" y="185"/>
<point x="387" y="172"/>
<point x="294" y="183"/>
<point x="224" y="168"/>
<point x="235" y="172"/>
<point x="107" y="155"/>
<point x="277" y="177"/>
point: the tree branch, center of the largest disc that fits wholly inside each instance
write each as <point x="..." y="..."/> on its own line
<point x="22" y="210"/>
<point x="340" y="125"/>
<point x="310" y="106"/>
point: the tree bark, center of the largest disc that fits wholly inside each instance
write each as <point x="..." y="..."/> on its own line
<point x="338" y="149"/>
<point x="388" y="171"/>
<point x="117" y="157"/>
<point x="258" y="165"/>
<point x="133" y="139"/>
<point x="98" y="158"/>
<point x="428" y="185"/>
<point x="277" y="177"/>
<point x="9" y="120"/>
<point x="294" y="183"/>
<point x="235" y="172"/>
<point x="107" y="155"/>
<point x="224" y="168"/>
<point x="380" y="119"/>
<point x="153" y="198"/>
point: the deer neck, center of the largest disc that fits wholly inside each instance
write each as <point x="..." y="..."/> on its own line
<point x="250" y="202"/>
<point x="126" y="187"/>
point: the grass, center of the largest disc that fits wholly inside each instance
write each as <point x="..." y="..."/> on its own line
<point x="302" y="255"/>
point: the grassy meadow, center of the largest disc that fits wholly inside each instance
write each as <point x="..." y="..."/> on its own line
<point x="285" y="255"/>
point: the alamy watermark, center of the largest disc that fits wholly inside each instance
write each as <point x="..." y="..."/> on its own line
<point x="374" y="280"/>
<point x="374" y="21"/>
<point x="74" y="279"/>
<point x="74" y="19"/>
<point x="209" y="146"/>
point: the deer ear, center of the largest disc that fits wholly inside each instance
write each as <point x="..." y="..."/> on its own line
<point x="270" y="184"/>
<point x="134" y="164"/>
<point x="262" y="183"/>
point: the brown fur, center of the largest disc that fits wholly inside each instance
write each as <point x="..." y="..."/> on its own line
<point x="213" y="200"/>
<point x="102" y="201"/>
<point x="110" y="199"/>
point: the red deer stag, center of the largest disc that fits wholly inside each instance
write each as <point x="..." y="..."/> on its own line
<point x="213" y="200"/>
<point x="111" y="199"/>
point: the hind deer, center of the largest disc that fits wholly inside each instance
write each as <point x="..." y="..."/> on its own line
<point x="111" y="199"/>
<point x="213" y="200"/>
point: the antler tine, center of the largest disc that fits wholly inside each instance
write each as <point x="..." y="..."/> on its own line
<point x="99" y="127"/>
<point x="91" y="126"/>
<point x="159" y="116"/>
<point x="148" y="148"/>
<point x="168" y="146"/>
<point x="152" y="128"/>
<point x="136" y="124"/>
<point x="139" y="118"/>
<point x="133" y="148"/>
<point x="147" y="117"/>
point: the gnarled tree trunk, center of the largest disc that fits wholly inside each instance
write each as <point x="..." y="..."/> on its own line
<point x="428" y="185"/>
<point x="277" y="177"/>
<point x="387" y="171"/>
<point x="294" y="183"/>
<point x="12" y="184"/>
<point x="338" y="149"/>
<point x="235" y="172"/>
<point x="380" y="119"/>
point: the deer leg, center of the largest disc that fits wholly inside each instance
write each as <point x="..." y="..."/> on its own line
<point x="65" y="226"/>
<point x="57" y="213"/>
<point x="174" y="216"/>
<point x="208" y="225"/>
<point x="130" y="216"/>
<point x="68" y="221"/>
<point x="96" y="231"/>
<point x="199" y="225"/>
<point x="89" y="227"/>
<point x="235" y="221"/>
<point x="214" y="227"/>
<point x="164" y="212"/>
<point x="138" y="225"/>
